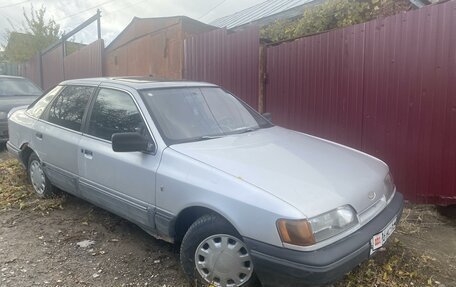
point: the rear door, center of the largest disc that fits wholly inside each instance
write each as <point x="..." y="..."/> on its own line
<point x="57" y="136"/>
<point x="123" y="183"/>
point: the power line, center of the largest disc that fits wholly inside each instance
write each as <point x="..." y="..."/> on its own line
<point x="14" y="4"/>
<point x="124" y="7"/>
<point x="86" y="10"/>
<point x="205" y="14"/>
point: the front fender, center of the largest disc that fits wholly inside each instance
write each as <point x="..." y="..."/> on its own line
<point x="183" y="182"/>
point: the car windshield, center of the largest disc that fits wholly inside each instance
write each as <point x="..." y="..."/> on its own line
<point x="192" y="114"/>
<point x="18" y="87"/>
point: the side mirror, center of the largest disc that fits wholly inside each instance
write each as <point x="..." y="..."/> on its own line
<point x="130" y="142"/>
<point x="267" y="116"/>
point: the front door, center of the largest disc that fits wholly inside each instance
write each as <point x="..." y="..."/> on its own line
<point x="123" y="183"/>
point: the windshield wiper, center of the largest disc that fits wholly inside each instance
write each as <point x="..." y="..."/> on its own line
<point x="245" y="130"/>
<point x="203" y="138"/>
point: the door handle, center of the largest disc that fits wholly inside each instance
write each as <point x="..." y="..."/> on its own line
<point x="87" y="153"/>
<point x="39" y="136"/>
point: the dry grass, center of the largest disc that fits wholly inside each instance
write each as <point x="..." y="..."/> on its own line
<point x="17" y="193"/>
<point x="396" y="265"/>
<point x="418" y="217"/>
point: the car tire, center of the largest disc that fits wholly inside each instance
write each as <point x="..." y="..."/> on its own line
<point x="201" y="251"/>
<point x="40" y="183"/>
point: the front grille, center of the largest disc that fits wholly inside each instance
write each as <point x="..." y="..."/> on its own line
<point x="372" y="211"/>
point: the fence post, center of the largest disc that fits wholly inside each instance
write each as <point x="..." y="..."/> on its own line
<point x="99" y="23"/>
<point x="262" y="79"/>
<point x="40" y="69"/>
<point x="63" y="58"/>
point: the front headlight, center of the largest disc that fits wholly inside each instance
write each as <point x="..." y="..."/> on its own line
<point x="319" y="228"/>
<point x="3" y="115"/>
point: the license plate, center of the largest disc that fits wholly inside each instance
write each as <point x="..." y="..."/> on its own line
<point x="379" y="239"/>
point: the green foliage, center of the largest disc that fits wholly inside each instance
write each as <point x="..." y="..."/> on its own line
<point x="332" y="14"/>
<point x="36" y="34"/>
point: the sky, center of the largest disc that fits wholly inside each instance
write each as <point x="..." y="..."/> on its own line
<point x="116" y="14"/>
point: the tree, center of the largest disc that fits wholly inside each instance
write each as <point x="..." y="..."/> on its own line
<point x="332" y="14"/>
<point x="35" y="35"/>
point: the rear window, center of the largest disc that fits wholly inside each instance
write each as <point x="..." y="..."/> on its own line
<point x="68" y="108"/>
<point x="37" y="108"/>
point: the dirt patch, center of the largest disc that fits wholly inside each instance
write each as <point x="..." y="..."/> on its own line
<point x="421" y="252"/>
<point x="40" y="249"/>
<point x="3" y="154"/>
<point x="39" y="246"/>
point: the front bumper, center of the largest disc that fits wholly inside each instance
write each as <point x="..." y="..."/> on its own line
<point x="3" y="131"/>
<point x="276" y="266"/>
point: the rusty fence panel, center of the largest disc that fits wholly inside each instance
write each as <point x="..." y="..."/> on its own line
<point x="85" y="63"/>
<point x="230" y="60"/>
<point x="31" y="70"/>
<point x="52" y="67"/>
<point x="387" y="87"/>
<point x="157" y="54"/>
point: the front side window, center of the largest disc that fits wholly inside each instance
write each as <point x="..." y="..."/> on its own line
<point x="36" y="109"/>
<point x="114" y="112"/>
<point x="68" y="108"/>
<point x="191" y="114"/>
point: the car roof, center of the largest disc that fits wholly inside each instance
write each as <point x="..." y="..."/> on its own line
<point x="138" y="82"/>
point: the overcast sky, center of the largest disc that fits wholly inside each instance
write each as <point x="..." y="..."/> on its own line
<point x="116" y="14"/>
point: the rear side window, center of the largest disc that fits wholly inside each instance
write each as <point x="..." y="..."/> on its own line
<point x="37" y="108"/>
<point x="114" y="112"/>
<point x="68" y="108"/>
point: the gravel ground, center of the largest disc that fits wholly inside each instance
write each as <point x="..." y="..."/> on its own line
<point x="68" y="242"/>
<point x="41" y="249"/>
<point x="3" y="154"/>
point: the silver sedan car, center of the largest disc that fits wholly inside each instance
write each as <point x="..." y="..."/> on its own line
<point x="190" y="163"/>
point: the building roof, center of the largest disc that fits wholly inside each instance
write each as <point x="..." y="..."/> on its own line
<point x="260" y="11"/>
<point x="271" y="10"/>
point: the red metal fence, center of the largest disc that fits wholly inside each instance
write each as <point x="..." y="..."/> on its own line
<point x="387" y="87"/>
<point x="227" y="59"/>
<point x="315" y="85"/>
<point x="85" y="63"/>
<point x="52" y="67"/>
<point x="32" y="69"/>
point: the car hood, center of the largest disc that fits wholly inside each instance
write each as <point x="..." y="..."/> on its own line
<point x="9" y="102"/>
<point x="309" y="173"/>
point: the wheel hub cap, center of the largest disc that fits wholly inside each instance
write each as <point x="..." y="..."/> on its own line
<point x="223" y="260"/>
<point x="37" y="177"/>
